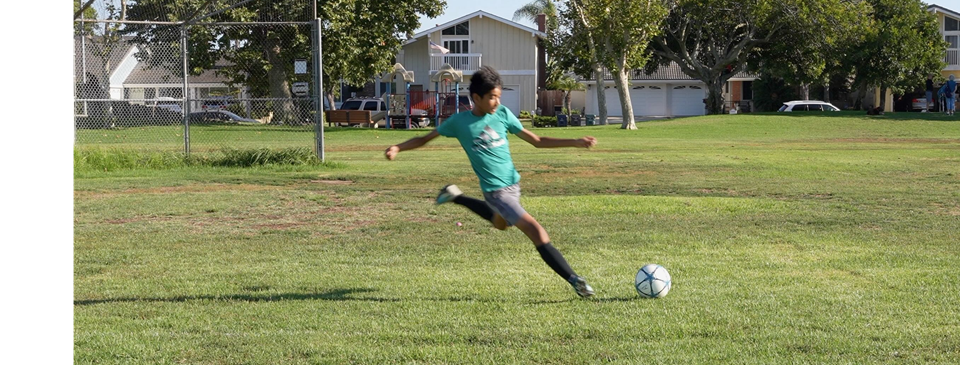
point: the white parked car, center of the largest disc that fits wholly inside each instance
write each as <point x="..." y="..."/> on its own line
<point x="219" y="116"/>
<point x="213" y="105"/>
<point x="170" y="104"/>
<point x="808" y="105"/>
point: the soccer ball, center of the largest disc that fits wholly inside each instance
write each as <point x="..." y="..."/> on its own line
<point x="653" y="281"/>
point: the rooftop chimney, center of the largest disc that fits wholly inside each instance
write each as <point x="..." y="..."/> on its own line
<point x="542" y="22"/>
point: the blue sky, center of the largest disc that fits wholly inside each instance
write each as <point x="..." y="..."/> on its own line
<point x="500" y="8"/>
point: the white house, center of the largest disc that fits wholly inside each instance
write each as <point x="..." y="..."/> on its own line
<point x="120" y="76"/>
<point x="474" y="40"/>
<point x="948" y="22"/>
<point x="667" y="92"/>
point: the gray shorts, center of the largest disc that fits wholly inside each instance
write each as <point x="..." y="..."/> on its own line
<point x="506" y="202"/>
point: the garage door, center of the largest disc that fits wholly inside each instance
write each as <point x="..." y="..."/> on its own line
<point x="612" y="102"/>
<point x="510" y="97"/>
<point x="686" y="100"/>
<point x="649" y="100"/>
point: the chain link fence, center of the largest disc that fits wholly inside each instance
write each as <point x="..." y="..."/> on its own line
<point x="158" y="75"/>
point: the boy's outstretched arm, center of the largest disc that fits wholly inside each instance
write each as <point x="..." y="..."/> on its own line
<point x="549" y="142"/>
<point x="409" y="144"/>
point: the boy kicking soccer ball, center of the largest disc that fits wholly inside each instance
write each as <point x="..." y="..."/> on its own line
<point x="483" y="134"/>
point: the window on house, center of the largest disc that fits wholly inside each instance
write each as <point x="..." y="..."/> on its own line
<point x="748" y="90"/>
<point x="953" y="40"/>
<point x="457" y="46"/>
<point x="173" y="92"/>
<point x="135" y="94"/>
<point x="950" y="24"/>
<point x="459" y="29"/>
<point x="209" y="92"/>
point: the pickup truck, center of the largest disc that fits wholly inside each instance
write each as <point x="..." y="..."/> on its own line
<point x="378" y="110"/>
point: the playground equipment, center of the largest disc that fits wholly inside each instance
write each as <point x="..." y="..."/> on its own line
<point x="398" y="105"/>
<point x="447" y="83"/>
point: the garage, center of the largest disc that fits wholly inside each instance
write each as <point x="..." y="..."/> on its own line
<point x="647" y="100"/>
<point x="667" y="91"/>
<point x="687" y="100"/>
<point x="655" y="100"/>
<point x="510" y="97"/>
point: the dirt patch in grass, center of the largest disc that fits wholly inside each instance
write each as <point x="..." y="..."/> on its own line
<point x="332" y="182"/>
<point x="943" y="209"/>
<point x="721" y="192"/>
<point x="195" y="188"/>
<point x="137" y="219"/>
<point x="895" y="140"/>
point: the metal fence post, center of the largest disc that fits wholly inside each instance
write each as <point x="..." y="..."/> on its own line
<point x="318" y="88"/>
<point x="183" y="96"/>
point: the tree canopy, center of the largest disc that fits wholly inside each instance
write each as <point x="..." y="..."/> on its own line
<point x="900" y="47"/>
<point x="607" y="34"/>
<point x="712" y="40"/>
<point x="360" y="38"/>
<point x="536" y="7"/>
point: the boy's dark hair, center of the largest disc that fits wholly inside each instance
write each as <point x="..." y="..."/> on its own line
<point x="484" y="80"/>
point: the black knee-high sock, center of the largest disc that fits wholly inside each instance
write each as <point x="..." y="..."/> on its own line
<point x="556" y="261"/>
<point x="476" y="205"/>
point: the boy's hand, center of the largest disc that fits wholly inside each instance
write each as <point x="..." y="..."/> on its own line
<point x="586" y="142"/>
<point x="391" y="152"/>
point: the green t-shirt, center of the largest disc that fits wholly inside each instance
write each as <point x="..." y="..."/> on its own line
<point x="484" y="139"/>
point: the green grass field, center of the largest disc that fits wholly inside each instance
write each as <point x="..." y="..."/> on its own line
<point x="790" y="239"/>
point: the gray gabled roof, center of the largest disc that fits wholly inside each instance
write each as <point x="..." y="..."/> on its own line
<point x="144" y="74"/>
<point x="89" y="55"/>
<point x="477" y="13"/>
<point x="88" y="50"/>
<point x="934" y="8"/>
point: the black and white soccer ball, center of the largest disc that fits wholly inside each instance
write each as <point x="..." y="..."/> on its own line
<point x="653" y="281"/>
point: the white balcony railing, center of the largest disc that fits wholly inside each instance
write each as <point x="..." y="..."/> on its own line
<point x="953" y="57"/>
<point x="459" y="61"/>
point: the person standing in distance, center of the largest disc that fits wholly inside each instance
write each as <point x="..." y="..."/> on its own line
<point x="482" y="132"/>
<point x="949" y="90"/>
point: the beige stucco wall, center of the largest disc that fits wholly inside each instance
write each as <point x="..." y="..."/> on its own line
<point x="888" y="106"/>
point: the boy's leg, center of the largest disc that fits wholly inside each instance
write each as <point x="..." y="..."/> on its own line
<point x="451" y="193"/>
<point x="551" y="255"/>
<point x="507" y="211"/>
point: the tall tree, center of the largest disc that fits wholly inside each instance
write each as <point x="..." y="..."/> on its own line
<point x="103" y="41"/>
<point x="711" y="40"/>
<point x="537" y="7"/>
<point x="900" y="48"/>
<point x="83" y="10"/>
<point x="572" y="48"/>
<point x="360" y="38"/>
<point x="565" y="83"/>
<point x="812" y="48"/>
<point x="618" y="33"/>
